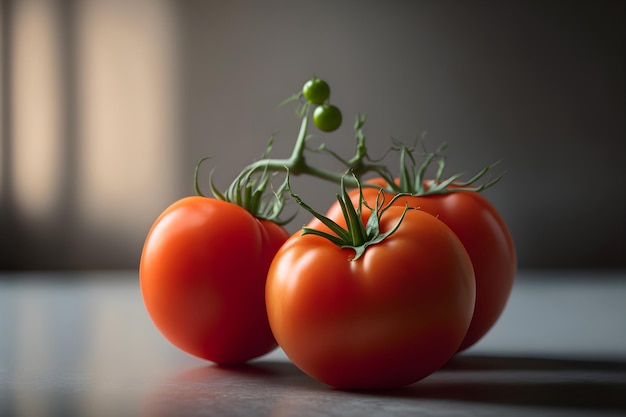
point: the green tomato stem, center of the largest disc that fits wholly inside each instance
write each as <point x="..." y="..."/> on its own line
<point x="248" y="188"/>
<point x="296" y="164"/>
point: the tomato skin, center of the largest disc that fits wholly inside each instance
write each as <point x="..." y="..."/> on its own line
<point x="485" y="237"/>
<point x="386" y="320"/>
<point x="202" y="277"/>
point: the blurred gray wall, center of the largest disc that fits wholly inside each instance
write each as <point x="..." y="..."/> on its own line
<point x="144" y="89"/>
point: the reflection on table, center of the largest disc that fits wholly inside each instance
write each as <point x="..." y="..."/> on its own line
<point x="82" y="345"/>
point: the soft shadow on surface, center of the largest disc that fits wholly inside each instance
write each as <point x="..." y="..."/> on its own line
<point x="470" y="362"/>
<point x="267" y="372"/>
<point x="265" y="386"/>
<point x="521" y="381"/>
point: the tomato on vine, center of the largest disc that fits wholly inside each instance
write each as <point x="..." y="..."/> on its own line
<point x="202" y="276"/>
<point x="316" y="91"/>
<point x="205" y="262"/>
<point x="376" y="304"/>
<point x="203" y="268"/>
<point x="327" y="117"/>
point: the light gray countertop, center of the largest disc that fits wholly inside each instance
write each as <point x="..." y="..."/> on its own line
<point x="81" y="344"/>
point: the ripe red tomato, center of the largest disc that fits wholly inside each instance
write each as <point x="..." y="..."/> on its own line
<point x="387" y="319"/>
<point x="486" y="238"/>
<point x="202" y="274"/>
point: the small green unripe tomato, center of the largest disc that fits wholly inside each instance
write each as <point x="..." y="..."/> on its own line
<point x="316" y="91"/>
<point x="327" y="117"/>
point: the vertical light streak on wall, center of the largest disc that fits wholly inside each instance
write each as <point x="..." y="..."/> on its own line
<point x="127" y="93"/>
<point x="36" y="109"/>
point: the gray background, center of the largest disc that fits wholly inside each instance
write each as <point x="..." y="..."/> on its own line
<point x="537" y="85"/>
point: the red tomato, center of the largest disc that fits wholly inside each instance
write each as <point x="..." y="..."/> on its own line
<point x="202" y="276"/>
<point x="485" y="237"/>
<point x="387" y="319"/>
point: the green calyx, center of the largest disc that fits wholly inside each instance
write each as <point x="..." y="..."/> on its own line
<point x="414" y="179"/>
<point x="356" y="235"/>
<point x="249" y="192"/>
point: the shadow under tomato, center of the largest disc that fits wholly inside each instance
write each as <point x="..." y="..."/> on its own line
<point x="520" y="381"/>
<point x="248" y="389"/>
<point x="470" y="362"/>
<point x="267" y="372"/>
<point x="268" y="387"/>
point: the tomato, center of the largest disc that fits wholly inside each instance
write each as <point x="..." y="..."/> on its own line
<point x="202" y="276"/>
<point x="387" y="319"/>
<point x="327" y="117"/>
<point x="486" y="238"/>
<point x="316" y="91"/>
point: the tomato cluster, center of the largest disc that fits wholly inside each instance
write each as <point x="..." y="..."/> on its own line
<point x="380" y="291"/>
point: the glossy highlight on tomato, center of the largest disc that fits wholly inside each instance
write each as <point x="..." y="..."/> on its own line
<point x="202" y="277"/>
<point x="484" y="235"/>
<point x="387" y="319"/>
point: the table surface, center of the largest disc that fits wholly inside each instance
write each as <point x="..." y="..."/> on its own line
<point x="81" y="344"/>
